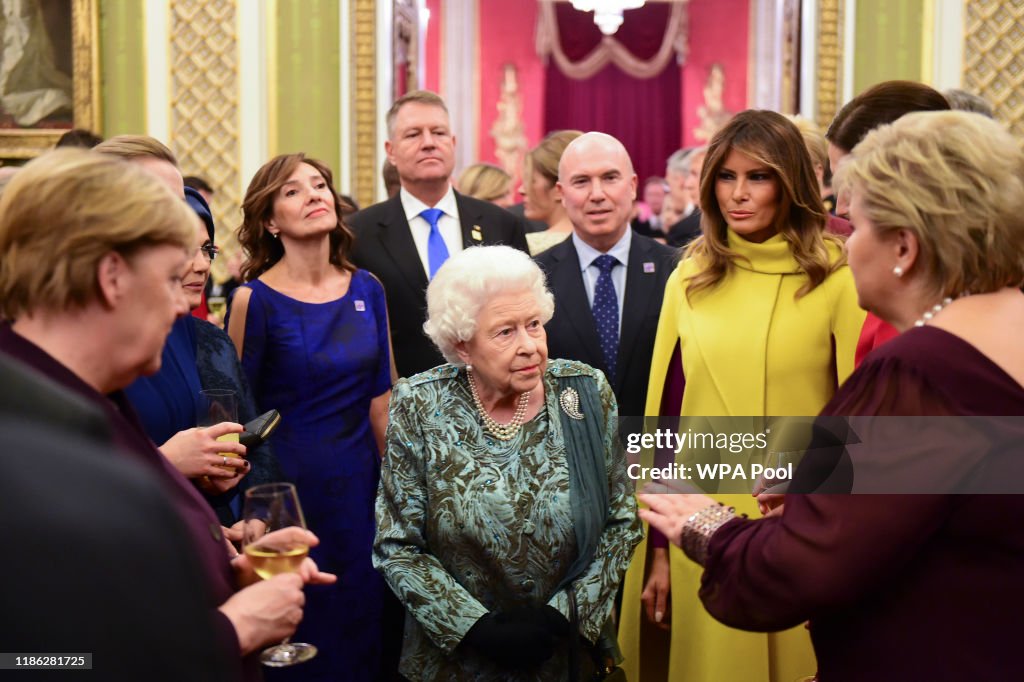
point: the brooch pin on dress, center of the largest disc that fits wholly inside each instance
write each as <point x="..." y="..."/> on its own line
<point x="570" y="402"/>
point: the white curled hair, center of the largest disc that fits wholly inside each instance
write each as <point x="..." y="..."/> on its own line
<point x="469" y="280"/>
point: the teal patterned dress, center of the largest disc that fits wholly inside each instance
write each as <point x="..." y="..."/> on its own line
<point x="468" y="524"/>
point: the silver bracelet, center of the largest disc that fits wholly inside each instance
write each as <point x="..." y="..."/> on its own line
<point x="699" y="528"/>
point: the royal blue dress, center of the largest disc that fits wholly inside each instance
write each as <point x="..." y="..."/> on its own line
<point x="320" y="365"/>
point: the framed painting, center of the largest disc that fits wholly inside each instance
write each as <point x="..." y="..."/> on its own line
<point x="49" y="73"/>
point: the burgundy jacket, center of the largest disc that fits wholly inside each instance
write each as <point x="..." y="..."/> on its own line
<point x="132" y="442"/>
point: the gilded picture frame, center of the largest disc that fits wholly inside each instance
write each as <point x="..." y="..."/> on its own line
<point x="28" y="142"/>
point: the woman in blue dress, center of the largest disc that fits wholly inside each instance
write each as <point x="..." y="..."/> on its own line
<point x="312" y="333"/>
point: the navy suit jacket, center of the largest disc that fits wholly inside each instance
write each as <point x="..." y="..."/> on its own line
<point x="385" y="247"/>
<point x="572" y="333"/>
<point x="685" y="231"/>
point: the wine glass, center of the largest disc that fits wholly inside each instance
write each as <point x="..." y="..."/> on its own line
<point x="217" y="305"/>
<point x="270" y="513"/>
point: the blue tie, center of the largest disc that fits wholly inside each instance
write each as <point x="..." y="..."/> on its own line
<point x="606" y="312"/>
<point x="437" y="252"/>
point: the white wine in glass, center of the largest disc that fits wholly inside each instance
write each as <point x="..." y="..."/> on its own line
<point x="217" y="305"/>
<point x="270" y="516"/>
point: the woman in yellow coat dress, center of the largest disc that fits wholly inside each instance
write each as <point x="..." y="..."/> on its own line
<point x="762" y="316"/>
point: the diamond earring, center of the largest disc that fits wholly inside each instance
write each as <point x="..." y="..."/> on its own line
<point x="898" y="271"/>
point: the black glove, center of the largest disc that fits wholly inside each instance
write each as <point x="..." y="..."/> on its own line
<point x="518" y="638"/>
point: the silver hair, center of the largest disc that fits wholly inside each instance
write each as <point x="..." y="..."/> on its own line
<point x="468" y="281"/>
<point x="681" y="160"/>
<point x="967" y="101"/>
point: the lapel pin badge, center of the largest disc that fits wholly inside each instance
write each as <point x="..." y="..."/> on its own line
<point x="360" y="306"/>
<point x="570" y="402"/>
<point x="476" y="234"/>
<point x="648" y="267"/>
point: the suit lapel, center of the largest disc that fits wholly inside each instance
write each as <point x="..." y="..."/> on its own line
<point x="396" y="238"/>
<point x="567" y="280"/>
<point x="474" y="233"/>
<point x="641" y="294"/>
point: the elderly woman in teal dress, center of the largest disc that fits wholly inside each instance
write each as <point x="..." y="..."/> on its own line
<point x="504" y="501"/>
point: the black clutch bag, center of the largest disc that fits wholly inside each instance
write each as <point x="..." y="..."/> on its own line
<point x="259" y="429"/>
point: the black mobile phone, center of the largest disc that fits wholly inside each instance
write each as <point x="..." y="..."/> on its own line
<point x="259" y="429"/>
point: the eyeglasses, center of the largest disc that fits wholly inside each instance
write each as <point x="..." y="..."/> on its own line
<point x="210" y="251"/>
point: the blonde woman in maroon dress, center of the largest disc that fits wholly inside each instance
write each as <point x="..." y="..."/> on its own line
<point x="923" y="586"/>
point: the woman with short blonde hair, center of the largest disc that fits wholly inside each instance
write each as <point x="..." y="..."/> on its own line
<point x="966" y="217"/>
<point x="92" y="251"/>
<point x="487" y="182"/>
<point x="56" y="268"/>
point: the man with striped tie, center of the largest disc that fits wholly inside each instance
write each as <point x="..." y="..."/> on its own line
<point x="404" y="240"/>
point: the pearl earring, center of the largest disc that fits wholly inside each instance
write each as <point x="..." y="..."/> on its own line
<point x="898" y="271"/>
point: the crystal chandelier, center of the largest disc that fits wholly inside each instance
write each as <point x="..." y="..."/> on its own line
<point x="607" y="13"/>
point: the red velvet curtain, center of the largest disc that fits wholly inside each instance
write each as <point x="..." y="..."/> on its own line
<point x="646" y="115"/>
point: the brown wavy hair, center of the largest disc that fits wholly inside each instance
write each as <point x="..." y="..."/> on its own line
<point x="880" y="104"/>
<point x="772" y="140"/>
<point x="262" y="250"/>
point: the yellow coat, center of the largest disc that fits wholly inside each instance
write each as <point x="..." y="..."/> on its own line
<point x="749" y="348"/>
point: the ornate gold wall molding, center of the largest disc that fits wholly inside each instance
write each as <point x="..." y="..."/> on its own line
<point x="994" y="57"/>
<point x="830" y="59"/>
<point x="85" y="27"/>
<point x="363" y="148"/>
<point x="204" y="102"/>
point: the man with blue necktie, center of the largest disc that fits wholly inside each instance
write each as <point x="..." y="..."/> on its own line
<point x="608" y="281"/>
<point x="404" y="240"/>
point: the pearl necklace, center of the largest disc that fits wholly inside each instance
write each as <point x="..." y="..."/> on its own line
<point x="499" y="431"/>
<point x="927" y="317"/>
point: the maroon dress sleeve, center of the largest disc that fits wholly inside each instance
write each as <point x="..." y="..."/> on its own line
<point x="826" y="551"/>
<point x="823" y="553"/>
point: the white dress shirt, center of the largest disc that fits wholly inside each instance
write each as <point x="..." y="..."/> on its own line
<point x="448" y="224"/>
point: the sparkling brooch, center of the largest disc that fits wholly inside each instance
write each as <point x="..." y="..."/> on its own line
<point x="570" y="402"/>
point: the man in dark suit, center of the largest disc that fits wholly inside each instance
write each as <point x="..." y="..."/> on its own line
<point x="607" y="280"/>
<point x="688" y="228"/>
<point x="404" y="240"/>
<point x="654" y="195"/>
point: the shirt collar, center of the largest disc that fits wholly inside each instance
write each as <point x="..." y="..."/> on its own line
<point x="588" y="253"/>
<point x="413" y="206"/>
